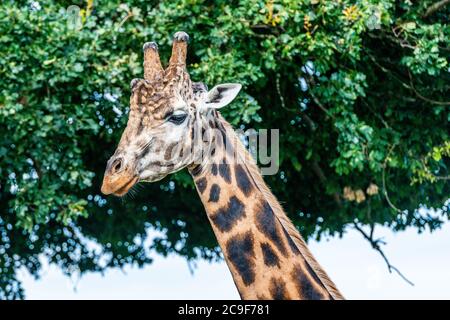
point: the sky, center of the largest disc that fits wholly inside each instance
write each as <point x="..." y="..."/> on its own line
<point x="358" y="271"/>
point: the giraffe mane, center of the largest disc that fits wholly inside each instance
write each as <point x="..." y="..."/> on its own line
<point x="287" y="224"/>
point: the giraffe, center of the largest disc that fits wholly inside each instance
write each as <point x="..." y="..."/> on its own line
<point x="174" y="123"/>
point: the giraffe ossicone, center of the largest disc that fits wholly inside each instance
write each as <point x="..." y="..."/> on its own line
<point x="174" y="124"/>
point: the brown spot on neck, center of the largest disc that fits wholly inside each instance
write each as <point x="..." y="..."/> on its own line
<point x="240" y="252"/>
<point x="306" y="285"/>
<point x="242" y="180"/>
<point x="268" y="225"/>
<point x="226" y="217"/>
<point x="224" y="171"/>
<point x="278" y="290"/>
<point x="270" y="257"/>
<point x="214" y="193"/>
<point x="201" y="184"/>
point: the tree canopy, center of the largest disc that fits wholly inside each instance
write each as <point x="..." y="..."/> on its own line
<point x="358" y="89"/>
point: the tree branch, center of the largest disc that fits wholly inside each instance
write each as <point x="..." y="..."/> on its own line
<point x="395" y="39"/>
<point x="444" y="103"/>
<point x="323" y="179"/>
<point x="435" y="7"/>
<point x="283" y="104"/>
<point x="386" y="125"/>
<point x="311" y="124"/>
<point x="315" y="99"/>
<point x="383" y="177"/>
<point x="409" y="86"/>
<point x="442" y="177"/>
<point x="375" y="243"/>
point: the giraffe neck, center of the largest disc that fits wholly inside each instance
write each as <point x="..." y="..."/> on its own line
<point x="266" y="262"/>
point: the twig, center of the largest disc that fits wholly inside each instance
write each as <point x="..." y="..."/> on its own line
<point x="311" y="124"/>
<point x="283" y="105"/>
<point x="441" y="177"/>
<point x="435" y="7"/>
<point x="375" y="243"/>
<point x="402" y="42"/>
<point x="316" y="168"/>
<point x="408" y="86"/>
<point x="323" y="179"/>
<point x="383" y="177"/>
<point x="129" y="15"/>
<point x="394" y="39"/>
<point x="315" y="99"/>
<point x="444" y="103"/>
<point x="432" y="174"/>
<point x="376" y="114"/>
<point x="388" y="71"/>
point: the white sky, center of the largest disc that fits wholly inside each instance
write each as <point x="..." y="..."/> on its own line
<point x="358" y="271"/>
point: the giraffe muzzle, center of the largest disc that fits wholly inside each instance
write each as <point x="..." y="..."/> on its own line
<point x="119" y="177"/>
<point x="119" y="186"/>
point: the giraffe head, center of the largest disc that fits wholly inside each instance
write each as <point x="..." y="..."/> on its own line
<point x="167" y="111"/>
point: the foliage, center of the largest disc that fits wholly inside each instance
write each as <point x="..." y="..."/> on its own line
<point x="358" y="89"/>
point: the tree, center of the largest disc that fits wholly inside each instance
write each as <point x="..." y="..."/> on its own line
<point x="358" y="89"/>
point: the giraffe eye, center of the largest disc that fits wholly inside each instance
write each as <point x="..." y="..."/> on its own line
<point x="177" y="118"/>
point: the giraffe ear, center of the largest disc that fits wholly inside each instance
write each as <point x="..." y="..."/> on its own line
<point x="221" y="95"/>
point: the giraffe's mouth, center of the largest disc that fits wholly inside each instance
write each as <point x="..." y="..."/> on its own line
<point x="122" y="189"/>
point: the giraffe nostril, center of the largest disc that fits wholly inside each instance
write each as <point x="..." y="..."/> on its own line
<point x="116" y="165"/>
